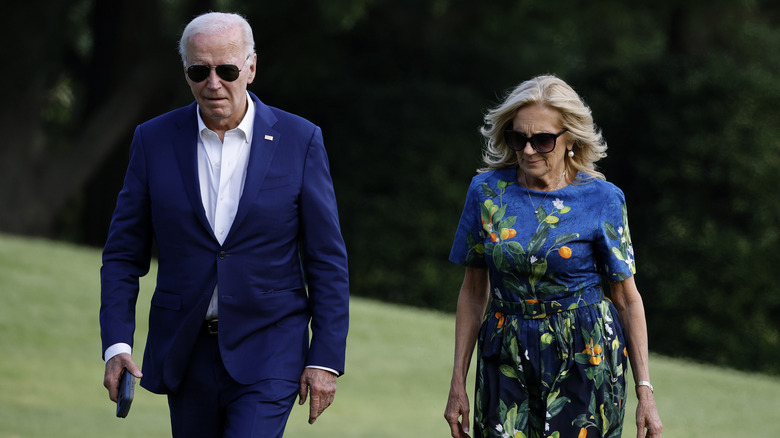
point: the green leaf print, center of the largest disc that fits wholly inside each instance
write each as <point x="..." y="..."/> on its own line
<point x="604" y="421"/>
<point x="540" y="214"/>
<point x="498" y="258"/>
<point x="514" y="349"/>
<point x="502" y="409"/>
<point x="599" y="377"/>
<point x="582" y="358"/>
<point x="547" y="289"/>
<point x="485" y="212"/>
<point x="625" y="250"/>
<point x="515" y="286"/>
<point x="487" y="191"/>
<point x="489" y="248"/>
<point x="565" y="238"/>
<point x="619" y="276"/>
<point x="538" y="240"/>
<point x="511" y="418"/>
<point x="546" y="339"/>
<point x="508" y="222"/>
<point x="523" y="412"/>
<point x="581" y="420"/>
<point x="538" y="269"/>
<point x="508" y="371"/>
<point x="515" y="248"/>
<point x="497" y="216"/>
<point x="612" y="233"/>
<point x="556" y="404"/>
<point x="592" y="405"/>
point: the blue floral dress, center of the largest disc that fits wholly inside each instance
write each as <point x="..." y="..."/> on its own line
<point x="552" y="352"/>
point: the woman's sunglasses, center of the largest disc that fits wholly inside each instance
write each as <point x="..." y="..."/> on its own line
<point x="227" y="72"/>
<point x="543" y="143"/>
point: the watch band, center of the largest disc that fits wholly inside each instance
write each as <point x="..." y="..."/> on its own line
<point x="645" y="383"/>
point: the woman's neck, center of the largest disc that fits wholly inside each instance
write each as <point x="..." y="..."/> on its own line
<point x="546" y="183"/>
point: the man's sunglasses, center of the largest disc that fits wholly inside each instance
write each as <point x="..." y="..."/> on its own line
<point x="226" y="72"/>
<point x="543" y="143"/>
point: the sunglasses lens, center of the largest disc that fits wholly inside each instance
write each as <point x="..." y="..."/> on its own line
<point x="544" y="142"/>
<point x="515" y="140"/>
<point x="228" y="72"/>
<point x="197" y="73"/>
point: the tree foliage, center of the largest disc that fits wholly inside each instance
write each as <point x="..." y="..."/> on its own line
<point x="685" y="93"/>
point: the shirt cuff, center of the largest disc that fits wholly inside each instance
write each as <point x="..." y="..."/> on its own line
<point x="118" y="348"/>
<point x="331" y="370"/>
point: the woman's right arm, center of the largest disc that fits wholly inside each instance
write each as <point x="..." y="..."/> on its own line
<point x="468" y="318"/>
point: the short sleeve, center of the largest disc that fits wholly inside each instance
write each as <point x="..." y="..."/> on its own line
<point x="613" y="246"/>
<point x="468" y="248"/>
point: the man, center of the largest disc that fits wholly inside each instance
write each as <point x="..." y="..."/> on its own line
<point x="238" y="197"/>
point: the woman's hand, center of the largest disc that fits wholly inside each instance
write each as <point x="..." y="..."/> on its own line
<point x="647" y="415"/>
<point x="457" y="408"/>
<point x="472" y="300"/>
<point x="629" y="305"/>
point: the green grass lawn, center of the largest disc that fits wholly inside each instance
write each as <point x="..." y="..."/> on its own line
<point x="398" y="367"/>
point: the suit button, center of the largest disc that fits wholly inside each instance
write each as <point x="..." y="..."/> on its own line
<point x="222" y="255"/>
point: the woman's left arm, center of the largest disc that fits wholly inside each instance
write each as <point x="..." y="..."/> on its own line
<point x="628" y="302"/>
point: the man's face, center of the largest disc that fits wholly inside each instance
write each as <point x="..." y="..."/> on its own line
<point x="222" y="103"/>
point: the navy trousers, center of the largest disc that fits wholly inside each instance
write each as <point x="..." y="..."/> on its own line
<point x="210" y="404"/>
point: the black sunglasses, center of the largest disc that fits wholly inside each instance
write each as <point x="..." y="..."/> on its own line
<point x="543" y="143"/>
<point x="227" y="72"/>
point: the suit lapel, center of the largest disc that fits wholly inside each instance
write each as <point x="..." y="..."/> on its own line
<point x="265" y="140"/>
<point x="185" y="144"/>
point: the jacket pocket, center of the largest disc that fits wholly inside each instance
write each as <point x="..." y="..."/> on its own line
<point x="166" y="300"/>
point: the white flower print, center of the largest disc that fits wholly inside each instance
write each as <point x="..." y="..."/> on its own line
<point x="558" y="204"/>
<point x="500" y="430"/>
<point x="533" y="259"/>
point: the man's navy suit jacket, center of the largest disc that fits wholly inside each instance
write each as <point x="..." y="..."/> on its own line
<point x="283" y="263"/>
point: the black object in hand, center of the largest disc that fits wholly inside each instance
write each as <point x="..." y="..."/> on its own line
<point x="126" y="392"/>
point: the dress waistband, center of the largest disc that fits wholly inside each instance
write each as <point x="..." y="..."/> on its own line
<point x="535" y="309"/>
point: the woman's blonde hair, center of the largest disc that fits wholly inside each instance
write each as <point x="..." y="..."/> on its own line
<point x="552" y="92"/>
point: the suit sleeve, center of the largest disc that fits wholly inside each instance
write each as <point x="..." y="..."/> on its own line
<point x="127" y="253"/>
<point x="324" y="259"/>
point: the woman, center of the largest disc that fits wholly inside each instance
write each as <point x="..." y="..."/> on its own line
<point x="540" y="230"/>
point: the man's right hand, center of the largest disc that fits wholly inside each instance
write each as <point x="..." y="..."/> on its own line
<point x="114" y="368"/>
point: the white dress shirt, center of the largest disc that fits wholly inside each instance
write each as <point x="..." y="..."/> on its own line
<point x="222" y="173"/>
<point x="222" y="167"/>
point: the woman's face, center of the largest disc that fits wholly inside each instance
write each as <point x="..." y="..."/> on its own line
<point x="537" y="119"/>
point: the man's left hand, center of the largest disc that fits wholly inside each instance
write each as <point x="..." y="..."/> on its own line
<point x="322" y="385"/>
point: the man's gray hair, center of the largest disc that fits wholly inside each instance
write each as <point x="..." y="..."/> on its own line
<point x="212" y="23"/>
